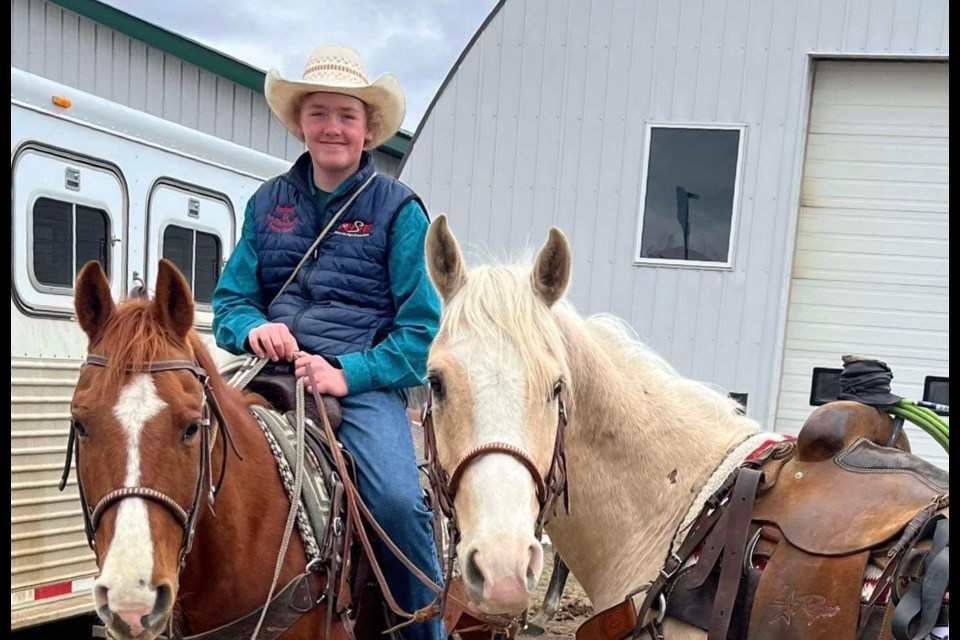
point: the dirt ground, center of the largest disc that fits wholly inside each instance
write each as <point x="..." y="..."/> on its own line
<point x="574" y="607"/>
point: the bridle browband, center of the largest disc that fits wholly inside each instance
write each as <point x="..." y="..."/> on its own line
<point x="187" y="519"/>
<point x="550" y="488"/>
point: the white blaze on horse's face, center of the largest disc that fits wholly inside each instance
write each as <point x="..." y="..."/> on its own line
<point x="498" y="548"/>
<point x="492" y="383"/>
<point x="125" y="583"/>
<point x="136" y="431"/>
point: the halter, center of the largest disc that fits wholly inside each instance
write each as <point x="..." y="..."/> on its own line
<point x="187" y="519"/>
<point x="444" y="486"/>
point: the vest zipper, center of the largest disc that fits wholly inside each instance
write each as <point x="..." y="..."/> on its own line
<point x="296" y="321"/>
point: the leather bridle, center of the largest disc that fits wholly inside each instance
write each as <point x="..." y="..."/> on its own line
<point x="550" y="489"/>
<point x="186" y="518"/>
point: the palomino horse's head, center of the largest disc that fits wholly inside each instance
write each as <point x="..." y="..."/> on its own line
<point x="138" y="416"/>
<point x="497" y="369"/>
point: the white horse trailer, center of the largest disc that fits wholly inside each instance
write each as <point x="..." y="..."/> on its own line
<point x="93" y="180"/>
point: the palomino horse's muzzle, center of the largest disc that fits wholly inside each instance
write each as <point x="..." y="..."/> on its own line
<point x="550" y="489"/>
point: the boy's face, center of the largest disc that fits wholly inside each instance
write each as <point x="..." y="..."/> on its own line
<point x="335" y="129"/>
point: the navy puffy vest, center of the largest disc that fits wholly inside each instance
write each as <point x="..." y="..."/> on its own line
<point x="340" y="300"/>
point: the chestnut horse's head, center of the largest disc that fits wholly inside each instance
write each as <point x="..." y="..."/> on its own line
<point x="143" y="442"/>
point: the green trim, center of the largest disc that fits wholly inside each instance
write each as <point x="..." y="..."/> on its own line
<point x="194" y="53"/>
<point x="397" y="146"/>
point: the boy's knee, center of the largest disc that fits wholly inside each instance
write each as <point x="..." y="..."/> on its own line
<point x="395" y="507"/>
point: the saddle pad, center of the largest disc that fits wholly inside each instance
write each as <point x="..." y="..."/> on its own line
<point x="834" y="507"/>
<point x="313" y="513"/>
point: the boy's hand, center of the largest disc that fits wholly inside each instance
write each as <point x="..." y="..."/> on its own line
<point x="273" y="340"/>
<point x="330" y="380"/>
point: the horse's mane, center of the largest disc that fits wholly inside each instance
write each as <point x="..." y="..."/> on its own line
<point x="499" y="303"/>
<point x="640" y="363"/>
<point x="136" y="338"/>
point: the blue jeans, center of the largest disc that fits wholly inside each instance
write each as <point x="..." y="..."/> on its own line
<point x="376" y="431"/>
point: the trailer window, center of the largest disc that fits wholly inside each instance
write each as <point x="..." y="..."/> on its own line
<point x="66" y="236"/>
<point x="198" y="256"/>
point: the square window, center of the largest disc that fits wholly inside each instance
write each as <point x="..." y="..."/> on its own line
<point x="65" y="237"/>
<point x="198" y="255"/>
<point x="690" y="195"/>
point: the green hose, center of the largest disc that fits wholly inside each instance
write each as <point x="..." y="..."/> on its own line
<point x="924" y="418"/>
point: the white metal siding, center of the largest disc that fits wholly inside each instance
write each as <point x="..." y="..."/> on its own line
<point x="542" y="123"/>
<point x="58" y="44"/>
<point x="47" y="542"/>
<point x="870" y="274"/>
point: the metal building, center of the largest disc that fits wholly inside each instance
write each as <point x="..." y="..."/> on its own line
<point x="758" y="187"/>
<point x="92" y="46"/>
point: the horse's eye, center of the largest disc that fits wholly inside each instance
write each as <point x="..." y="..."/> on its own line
<point x="436" y="384"/>
<point x="557" y="388"/>
<point x="77" y="426"/>
<point x="190" y="431"/>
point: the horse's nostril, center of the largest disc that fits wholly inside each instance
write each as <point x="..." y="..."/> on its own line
<point x="163" y="604"/>
<point x="100" y="596"/>
<point x="472" y="574"/>
<point x="534" y="565"/>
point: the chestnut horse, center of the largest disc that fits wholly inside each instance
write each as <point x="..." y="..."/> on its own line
<point x="149" y="431"/>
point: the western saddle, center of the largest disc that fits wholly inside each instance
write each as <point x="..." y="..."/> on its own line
<point x="840" y="534"/>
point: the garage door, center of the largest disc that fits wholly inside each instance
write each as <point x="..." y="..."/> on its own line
<point x="870" y="269"/>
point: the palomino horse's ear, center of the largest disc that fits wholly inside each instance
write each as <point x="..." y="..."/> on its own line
<point x="92" y="300"/>
<point x="444" y="260"/>
<point x="173" y="304"/>
<point x="551" y="272"/>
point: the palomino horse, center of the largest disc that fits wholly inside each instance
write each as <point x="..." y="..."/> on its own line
<point x="513" y="366"/>
<point x="149" y="425"/>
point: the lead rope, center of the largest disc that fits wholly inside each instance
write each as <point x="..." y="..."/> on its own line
<point x="294" y="501"/>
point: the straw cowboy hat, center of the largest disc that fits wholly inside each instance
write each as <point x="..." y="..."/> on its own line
<point x="338" y="70"/>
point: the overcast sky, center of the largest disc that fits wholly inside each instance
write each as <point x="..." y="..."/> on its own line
<point x="418" y="40"/>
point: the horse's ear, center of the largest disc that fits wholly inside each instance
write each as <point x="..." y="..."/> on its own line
<point x="92" y="300"/>
<point x="173" y="304"/>
<point x="444" y="260"/>
<point x="551" y="272"/>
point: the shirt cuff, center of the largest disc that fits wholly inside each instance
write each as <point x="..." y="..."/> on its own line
<point x="242" y="345"/>
<point x="356" y="372"/>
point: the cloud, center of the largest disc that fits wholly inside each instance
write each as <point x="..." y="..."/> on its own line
<point x="418" y="40"/>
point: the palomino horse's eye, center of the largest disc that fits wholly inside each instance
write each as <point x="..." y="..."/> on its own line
<point x="436" y="384"/>
<point x="557" y="388"/>
<point x="190" y="431"/>
<point x="77" y="426"/>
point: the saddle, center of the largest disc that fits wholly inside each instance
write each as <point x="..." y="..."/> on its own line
<point x="277" y="384"/>
<point x="330" y="533"/>
<point x="827" y="505"/>
<point x="822" y="537"/>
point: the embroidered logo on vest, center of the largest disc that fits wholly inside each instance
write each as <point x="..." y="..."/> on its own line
<point x="282" y="219"/>
<point x="356" y="229"/>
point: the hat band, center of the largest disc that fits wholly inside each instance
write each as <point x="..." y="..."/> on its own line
<point x="317" y="68"/>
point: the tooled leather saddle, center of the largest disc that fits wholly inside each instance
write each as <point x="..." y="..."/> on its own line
<point x="784" y="552"/>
